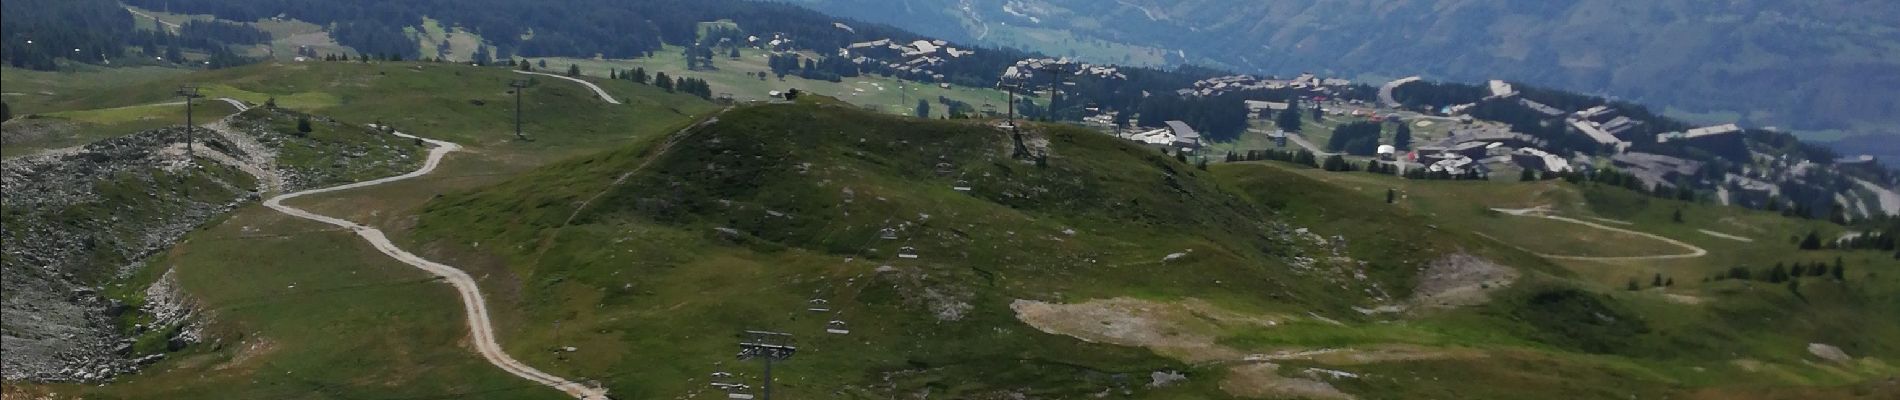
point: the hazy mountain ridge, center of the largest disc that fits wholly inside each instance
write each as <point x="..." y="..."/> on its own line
<point x="1807" y="65"/>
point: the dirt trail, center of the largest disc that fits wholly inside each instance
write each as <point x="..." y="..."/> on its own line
<point x="479" y="326"/>
<point x="590" y="85"/>
<point x="1544" y="212"/>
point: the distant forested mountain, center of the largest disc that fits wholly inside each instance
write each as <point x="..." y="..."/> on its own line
<point x="35" y="34"/>
<point x="1808" y="65"/>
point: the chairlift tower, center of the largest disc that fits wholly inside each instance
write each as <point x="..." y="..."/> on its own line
<point x="1011" y="88"/>
<point x="519" y="85"/>
<point x="769" y="347"/>
<point x="189" y="92"/>
<point x="1057" y="70"/>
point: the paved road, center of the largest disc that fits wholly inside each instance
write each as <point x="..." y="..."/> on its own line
<point x="479" y="326"/>
<point x="1544" y="212"/>
<point x="1385" y="91"/>
<point x="590" y="85"/>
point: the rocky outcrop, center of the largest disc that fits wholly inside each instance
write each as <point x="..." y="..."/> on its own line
<point x="75" y="221"/>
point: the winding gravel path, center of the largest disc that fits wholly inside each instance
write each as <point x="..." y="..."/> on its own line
<point x="590" y="85"/>
<point x="235" y="103"/>
<point x="479" y="326"/>
<point x="1542" y="212"/>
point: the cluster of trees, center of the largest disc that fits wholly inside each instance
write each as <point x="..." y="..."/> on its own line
<point x="1471" y="174"/>
<point x="1429" y="96"/>
<point x="1613" y="177"/>
<point x="1879" y="234"/>
<point x="1382" y="168"/>
<point x="699" y="57"/>
<point x="1656" y="281"/>
<point x="1337" y="163"/>
<point x="1783" y="272"/>
<point x="376" y="37"/>
<point x="833" y="69"/>
<point x="1360" y="138"/>
<point x="956" y="109"/>
<point x="1289" y="119"/>
<point x="1219" y="118"/>
<point x="636" y="75"/>
<point x="1301" y="157"/>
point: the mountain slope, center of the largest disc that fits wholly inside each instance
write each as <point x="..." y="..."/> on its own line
<point x="1809" y="66"/>
<point x="1104" y="264"/>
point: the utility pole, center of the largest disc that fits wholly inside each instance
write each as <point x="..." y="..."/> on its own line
<point x="519" y="85"/>
<point x="190" y="92"/>
<point x="768" y="346"/>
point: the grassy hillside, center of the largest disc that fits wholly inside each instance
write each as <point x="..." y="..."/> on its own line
<point x="291" y="301"/>
<point x="1693" y="337"/>
<point x="647" y="236"/>
<point x="665" y="251"/>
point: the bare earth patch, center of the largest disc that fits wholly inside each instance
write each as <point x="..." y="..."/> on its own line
<point x="1188" y="330"/>
<point x="1460" y="279"/>
<point x="1184" y="330"/>
<point x="1263" y="381"/>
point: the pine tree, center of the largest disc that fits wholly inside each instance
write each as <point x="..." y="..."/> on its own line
<point x="1840" y="269"/>
<point x="1290" y="119"/>
<point x="923" y="109"/>
<point x="1403" y="139"/>
<point x="1632" y="286"/>
<point x="1677" y="216"/>
<point x="6" y="113"/>
<point x="1391" y="196"/>
<point x="303" y="124"/>
<point x="663" y="82"/>
<point x="574" y="70"/>
<point x="1812" y="241"/>
<point x="1657" y="281"/>
<point x="1529" y="175"/>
